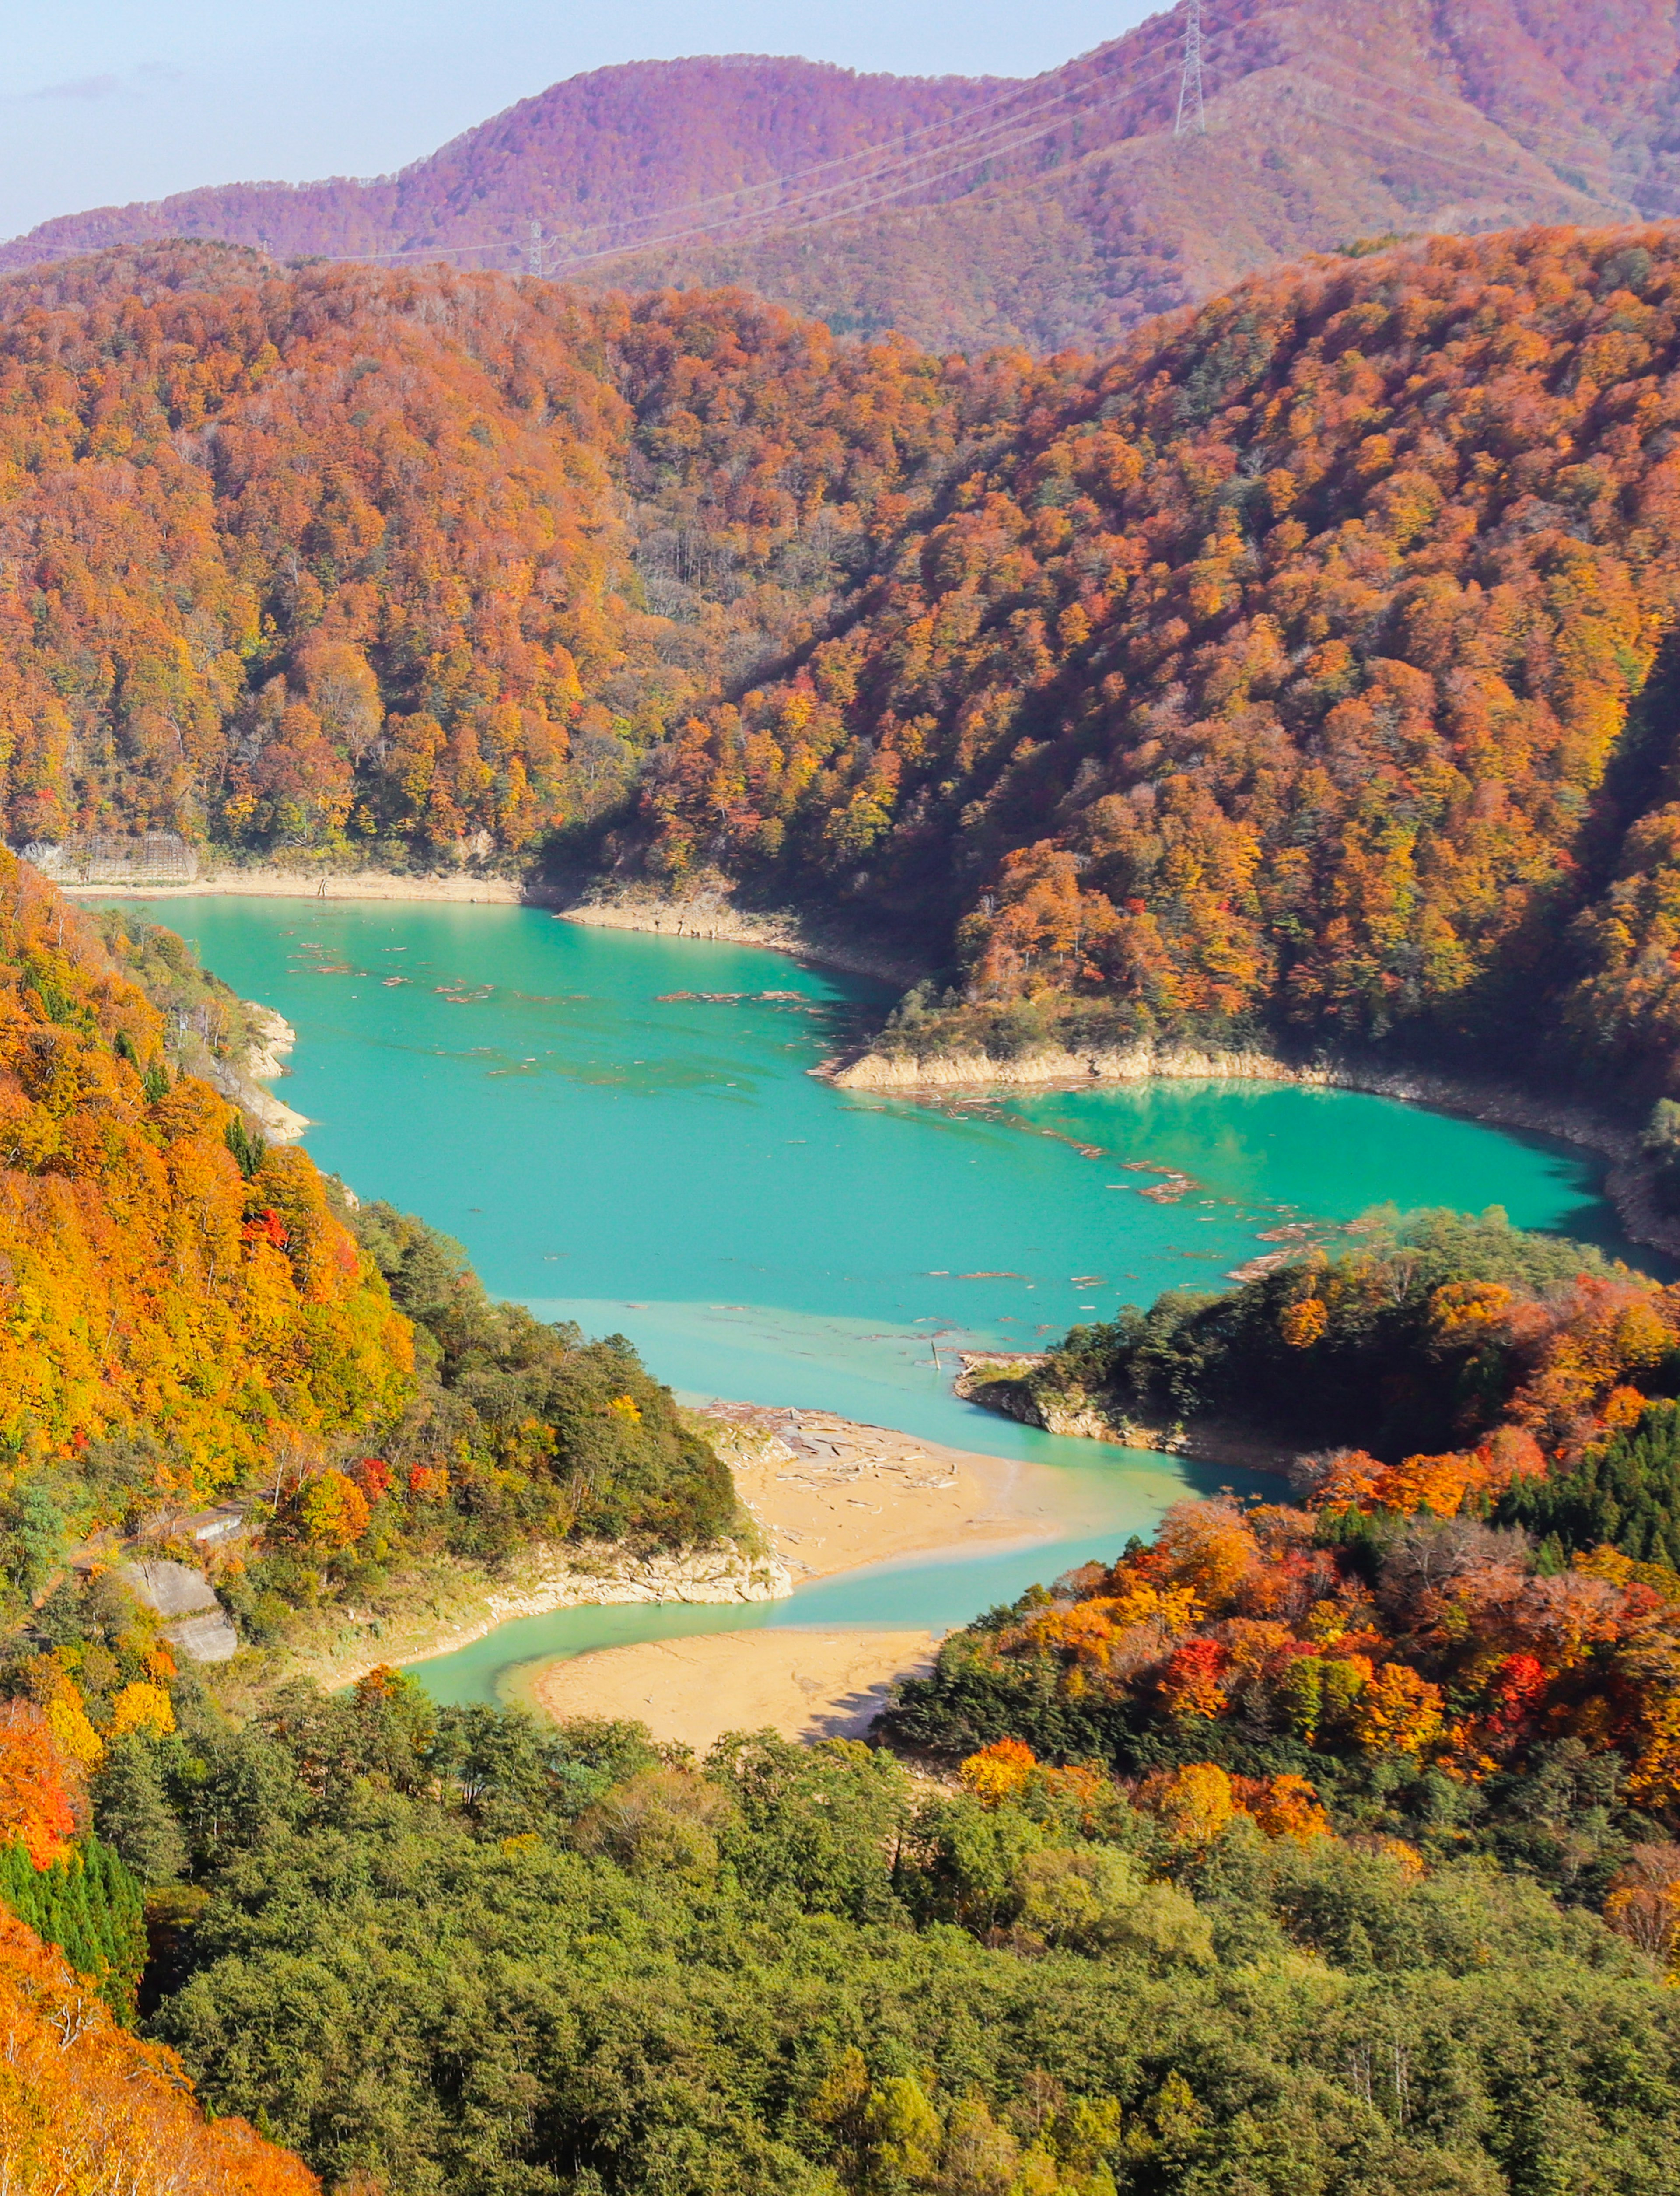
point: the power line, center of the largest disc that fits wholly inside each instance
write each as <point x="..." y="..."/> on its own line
<point x="988" y="130"/>
<point x="983" y="131"/>
<point x="793" y="214"/>
<point x="991" y="139"/>
<point x="1192" y="118"/>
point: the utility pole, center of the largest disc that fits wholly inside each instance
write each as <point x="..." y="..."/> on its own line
<point x="1192" y="121"/>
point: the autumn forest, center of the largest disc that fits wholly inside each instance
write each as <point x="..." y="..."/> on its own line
<point x="1293" y="674"/>
<point x="1294" y="677"/>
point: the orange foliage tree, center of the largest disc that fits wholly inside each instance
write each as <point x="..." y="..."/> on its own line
<point x="86" y="2108"/>
<point x="141" y="1305"/>
<point x="39" y="1786"/>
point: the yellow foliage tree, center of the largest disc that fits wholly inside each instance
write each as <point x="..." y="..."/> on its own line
<point x="142" y="1707"/>
<point x="1398" y="1712"/>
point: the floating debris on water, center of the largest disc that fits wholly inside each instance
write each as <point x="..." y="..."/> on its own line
<point x="740" y="998"/>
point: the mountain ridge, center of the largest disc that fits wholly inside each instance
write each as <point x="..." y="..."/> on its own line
<point x="1052" y="211"/>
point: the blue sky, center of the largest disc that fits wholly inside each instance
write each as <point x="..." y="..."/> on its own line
<point x="105" y="101"/>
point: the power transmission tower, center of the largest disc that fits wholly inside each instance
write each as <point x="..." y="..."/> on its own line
<point x="1192" y="121"/>
<point x="534" y="251"/>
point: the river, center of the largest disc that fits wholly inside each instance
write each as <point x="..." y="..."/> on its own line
<point x="622" y="1130"/>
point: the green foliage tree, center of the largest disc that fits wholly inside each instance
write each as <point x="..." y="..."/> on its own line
<point x="1623" y="1494"/>
<point x="91" y="1906"/>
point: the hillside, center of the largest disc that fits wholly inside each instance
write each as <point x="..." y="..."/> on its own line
<point x="415" y="562"/>
<point x="969" y="213"/>
<point x="457" y="1950"/>
<point x="1299" y="674"/>
<point x="191" y="1317"/>
<point x="173" y="1319"/>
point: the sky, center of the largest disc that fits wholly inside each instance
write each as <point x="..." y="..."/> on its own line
<point x="102" y="101"/>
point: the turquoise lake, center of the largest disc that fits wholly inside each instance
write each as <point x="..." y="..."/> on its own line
<point x="667" y="1168"/>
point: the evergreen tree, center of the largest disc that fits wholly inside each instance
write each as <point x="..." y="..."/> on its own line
<point x="132" y="1811"/>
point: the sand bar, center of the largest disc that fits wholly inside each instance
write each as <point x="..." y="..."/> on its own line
<point x="806" y="1685"/>
<point x="828" y="1494"/>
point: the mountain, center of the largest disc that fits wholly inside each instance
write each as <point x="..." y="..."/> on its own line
<point x="411" y="563"/>
<point x="1054" y="212"/>
<point x="1297" y="673"/>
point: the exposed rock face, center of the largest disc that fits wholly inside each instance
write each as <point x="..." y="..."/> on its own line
<point x="212" y="1638"/>
<point x="891" y="1071"/>
<point x="199" y="1625"/>
<point x="1014" y="1388"/>
<point x="1006" y="1385"/>
<point x="275" y="1037"/>
<point x="708" y="910"/>
<point x="601" y="1571"/>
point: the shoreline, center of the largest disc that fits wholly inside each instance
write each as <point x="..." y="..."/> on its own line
<point x="328" y="884"/>
<point x="1627" y="1184"/>
<point x="997" y="1380"/>
<point x="808" y="1686"/>
<point x="274" y="1037"/>
<point x="825" y="1495"/>
<point x="588" y="1575"/>
<point x="830" y="1495"/>
<point x="710" y="913"/>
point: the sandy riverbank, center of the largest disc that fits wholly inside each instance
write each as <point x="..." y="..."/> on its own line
<point x="828" y="1495"/>
<point x="806" y="1685"/>
<point x="330" y="884"/>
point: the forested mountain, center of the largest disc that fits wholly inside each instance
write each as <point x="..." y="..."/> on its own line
<point x="332" y="558"/>
<point x="1297" y="672"/>
<point x="1057" y="210"/>
<point x="172" y="1316"/>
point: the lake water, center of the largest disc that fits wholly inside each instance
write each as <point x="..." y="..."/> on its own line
<point x="666" y="1167"/>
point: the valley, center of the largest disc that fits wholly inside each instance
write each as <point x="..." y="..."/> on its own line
<point x="761" y="1236"/>
<point x="839" y="1135"/>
